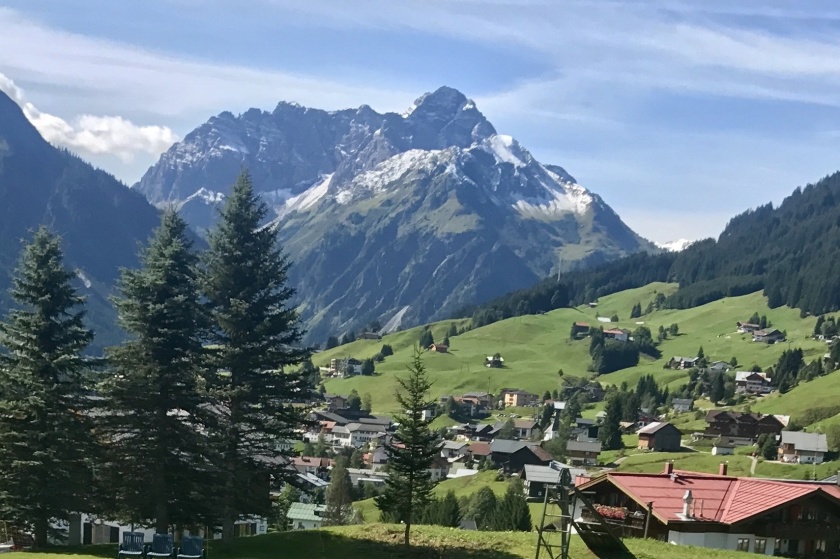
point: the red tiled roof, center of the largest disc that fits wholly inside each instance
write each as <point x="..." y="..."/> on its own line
<point x="723" y="499"/>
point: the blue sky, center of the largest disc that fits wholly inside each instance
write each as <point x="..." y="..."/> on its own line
<point x="679" y="113"/>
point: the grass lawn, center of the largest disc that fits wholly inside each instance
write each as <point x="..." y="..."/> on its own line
<point x="535" y="347"/>
<point x="653" y="462"/>
<point x="382" y="541"/>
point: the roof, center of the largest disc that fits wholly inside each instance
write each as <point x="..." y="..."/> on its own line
<point x="583" y="446"/>
<point x="615" y="331"/>
<point x="743" y="376"/>
<point x="507" y="446"/>
<point x="742" y="416"/>
<point x="682" y="401"/>
<point x="542" y="474"/>
<point x="814" y="442"/>
<point x="312" y="479"/>
<point x="312" y="461"/>
<point x="305" y="511"/>
<point x="763" y="333"/>
<point x="559" y="405"/>
<point x="480" y="449"/>
<point x="475" y="395"/>
<point x="454" y="445"/>
<point x="725" y="499"/>
<point x="582" y="324"/>
<point x="541" y="453"/>
<point x="654" y="427"/>
<point x="524" y="423"/>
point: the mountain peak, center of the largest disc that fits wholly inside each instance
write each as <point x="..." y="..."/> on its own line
<point x="446" y="117"/>
<point x="443" y="99"/>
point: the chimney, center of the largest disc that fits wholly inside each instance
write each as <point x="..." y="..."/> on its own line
<point x="722" y="469"/>
<point x="669" y="467"/>
<point x="687" y="500"/>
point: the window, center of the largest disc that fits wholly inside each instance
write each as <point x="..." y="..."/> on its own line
<point x="743" y="544"/>
<point x="760" y="545"/>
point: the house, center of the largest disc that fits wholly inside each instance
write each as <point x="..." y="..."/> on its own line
<point x="439" y="468"/>
<point x="678" y="362"/>
<point x="335" y="401"/>
<point x="585" y="429"/>
<point x="520" y="398"/>
<point x="524" y="428"/>
<point x="617" y="334"/>
<point x="682" y="405"/>
<point x="370" y="336"/>
<point x="345" y="367"/>
<point x="304" y="516"/>
<point x="312" y="465"/>
<point x="748" y="382"/>
<point x="480" y="450"/>
<point x="439" y="348"/>
<point x="719" y="367"/>
<point x="494" y="361"/>
<point x="429" y="413"/>
<point x="536" y="478"/>
<point x="454" y="449"/>
<point x="740" y="427"/>
<point x="580" y="330"/>
<point x="748" y="327"/>
<point x="763" y="516"/>
<point x="802" y="448"/>
<point x="660" y="436"/>
<point x="366" y="475"/>
<point x="485" y="432"/>
<point x="308" y="483"/>
<point x="583" y="453"/>
<point x="770" y="336"/>
<point x="513" y="455"/>
<point x="482" y="399"/>
<point x="723" y="449"/>
<point x="357" y="434"/>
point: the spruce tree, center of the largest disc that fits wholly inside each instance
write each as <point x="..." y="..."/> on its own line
<point x="157" y="414"/>
<point x="482" y="507"/>
<point x="610" y="432"/>
<point x="254" y="333"/>
<point x="409" y="485"/>
<point x="339" y="498"/>
<point x="46" y="430"/>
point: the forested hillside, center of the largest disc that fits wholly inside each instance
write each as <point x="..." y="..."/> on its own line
<point x="791" y="252"/>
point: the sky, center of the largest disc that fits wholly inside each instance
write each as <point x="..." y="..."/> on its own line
<point x="679" y="113"/>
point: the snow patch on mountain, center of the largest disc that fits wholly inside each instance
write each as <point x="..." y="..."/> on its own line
<point x="206" y="195"/>
<point x="394" y="323"/>
<point x="310" y="196"/>
<point x="675" y="246"/>
<point x="506" y="150"/>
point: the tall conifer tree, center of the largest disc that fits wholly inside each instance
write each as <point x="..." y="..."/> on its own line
<point x="409" y="486"/>
<point x="254" y="333"/>
<point x="339" y="498"/>
<point x="157" y="413"/>
<point x="46" y="440"/>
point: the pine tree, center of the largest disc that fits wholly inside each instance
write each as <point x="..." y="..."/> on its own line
<point x="717" y="388"/>
<point x="426" y="338"/>
<point x="332" y="342"/>
<point x="453" y="330"/>
<point x="46" y="431"/>
<point x="409" y="485"/>
<point x="512" y="512"/>
<point x="443" y="512"/>
<point x="157" y="413"/>
<point x="254" y="334"/>
<point x="367" y="402"/>
<point x="482" y="507"/>
<point x="610" y="432"/>
<point x="508" y="430"/>
<point x="339" y="498"/>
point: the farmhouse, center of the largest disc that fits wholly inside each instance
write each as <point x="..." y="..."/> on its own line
<point x="803" y="448"/>
<point x="304" y="516"/>
<point x="439" y="348"/>
<point x="512" y="456"/>
<point x="768" y="336"/>
<point x="748" y="327"/>
<point x="580" y="330"/>
<point x="583" y="453"/>
<point x="494" y="361"/>
<point x="768" y="517"/>
<point x="740" y="427"/>
<point x="661" y="436"/>
<point x="617" y="334"/>
<point x="678" y="362"/>
<point x="748" y="382"/>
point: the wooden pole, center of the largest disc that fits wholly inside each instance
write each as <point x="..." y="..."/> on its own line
<point x="647" y="517"/>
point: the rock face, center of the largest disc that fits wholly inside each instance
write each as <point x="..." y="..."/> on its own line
<point x="101" y="221"/>
<point x="384" y="215"/>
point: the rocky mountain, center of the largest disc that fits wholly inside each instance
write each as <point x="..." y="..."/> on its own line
<point x="100" y="220"/>
<point x="398" y="218"/>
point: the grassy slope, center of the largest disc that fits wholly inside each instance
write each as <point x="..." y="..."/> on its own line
<point x="536" y="346"/>
<point x="384" y="542"/>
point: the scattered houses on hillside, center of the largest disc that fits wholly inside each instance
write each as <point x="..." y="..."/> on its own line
<point x="799" y="447"/>
<point x="519" y="398"/>
<point x="617" y="334"/>
<point x="583" y="453"/>
<point x="512" y="455"/>
<point x="748" y="382"/>
<point x="748" y="327"/>
<point x="660" y="436"/>
<point x="678" y="362"/>
<point x="579" y="330"/>
<point x="763" y="516"/>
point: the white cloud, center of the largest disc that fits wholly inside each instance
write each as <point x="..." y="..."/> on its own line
<point x="90" y="134"/>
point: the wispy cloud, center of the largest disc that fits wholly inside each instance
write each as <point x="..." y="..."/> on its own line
<point x="93" y="135"/>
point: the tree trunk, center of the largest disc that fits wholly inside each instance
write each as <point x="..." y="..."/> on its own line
<point x="407" y="530"/>
<point x="161" y="516"/>
<point x="41" y="525"/>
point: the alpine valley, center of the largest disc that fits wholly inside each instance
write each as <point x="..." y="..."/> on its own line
<point x="394" y="218"/>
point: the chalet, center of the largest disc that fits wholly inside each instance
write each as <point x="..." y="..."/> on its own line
<point x="580" y="330"/>
<point x="536" y="478"/>
<point x="583" y="453"/>
<point x="768" y="336"/>
<point x="485" y="432"/>
<point x="682" y="405"/>
<point x="585" y="430"/>
<point x="768" y="517"/>
<point x="370" y="336"/>
<point x="366" y="475"/>
<point x="304" y="516"/>
<point x="357" y="435"/>
<point x="312" y="465"/>
<point x="520" y="398"/>
<point x="677" y="362"/>
<point x="741" y="427"/>
<point x="748" y="327"/>
<point x="439" y="348"/>
<point x="802" y="448"/>
<point x="478" y="398"/>
<point x="335" y="401"/>
<point x="524" y="428"/>
<point x="480" y="450"/>
<point x="494" y="361"/>
<point x="453" y="449"/>
<point x="660" y="436"/>
<point x="513" y="455"/>
<point x="748" y="382"/>
<point x="719" y="367"/>
<point x="617" y="334"/>
<point x="439" y="468"/>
